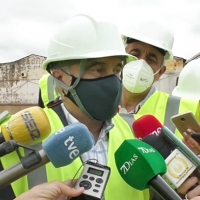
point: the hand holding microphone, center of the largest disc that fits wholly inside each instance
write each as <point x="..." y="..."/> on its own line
<point x="27" y="127"/>
<point x="61" y="148"/>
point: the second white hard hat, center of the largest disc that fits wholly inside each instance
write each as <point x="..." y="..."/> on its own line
<point x="189" y="81"/>
<point x="154" y="32"/>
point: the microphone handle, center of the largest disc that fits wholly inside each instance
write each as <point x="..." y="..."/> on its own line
<point x="163" y="189"/>
<point x="15" y="172"/>
<point x="7" y="147"/>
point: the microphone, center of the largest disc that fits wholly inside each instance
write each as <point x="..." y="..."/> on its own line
<point x="143" y="126"/>
<point x="148" y="125"/>
<point x="8" y="147"/>
<point x="141" y="166"/>
<point x="180" y="160"/>
<point x="27" y="127"/>
<point x="61" y="148"/>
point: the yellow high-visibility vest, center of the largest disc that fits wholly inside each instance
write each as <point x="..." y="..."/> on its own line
<point x="116" y="189"/>
<point x="163" y="106"/>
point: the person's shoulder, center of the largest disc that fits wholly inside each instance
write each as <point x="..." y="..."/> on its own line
<point x="161" y="92"/>
<point x="189" y="99"/>
<point x="44" y="77"/>
<point x="121" y="123"/>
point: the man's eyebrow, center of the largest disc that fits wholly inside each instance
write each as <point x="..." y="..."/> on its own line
<point x="150" y="54"/>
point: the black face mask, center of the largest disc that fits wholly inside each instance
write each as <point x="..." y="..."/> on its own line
<point x="99" y="97"/>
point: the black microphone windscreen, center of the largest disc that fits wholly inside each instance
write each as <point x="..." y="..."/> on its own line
<point x="157" y="142"/>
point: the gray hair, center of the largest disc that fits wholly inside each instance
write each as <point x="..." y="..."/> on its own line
<point x="63" y="65"/>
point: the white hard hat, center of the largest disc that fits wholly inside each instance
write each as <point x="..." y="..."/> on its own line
<point x="82" y="37"/>
<point x="154" y="32"/>
<point x="189" y="81"/>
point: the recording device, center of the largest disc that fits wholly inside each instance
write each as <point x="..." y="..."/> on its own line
<point x="179" y="166"/>
<point x="94" y="178"/>
<point x="183" y="157"/>
<point x="180" y="160"/>
<point x="142" y="166"/>
<point x="27" y="127"/>
<point x="61" y="148"/>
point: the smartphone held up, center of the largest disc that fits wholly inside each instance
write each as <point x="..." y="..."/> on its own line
<point x="186" y="121"/>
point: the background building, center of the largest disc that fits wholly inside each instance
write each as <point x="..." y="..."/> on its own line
<point x="168" y="80"/>
<point x="19" y="81"/>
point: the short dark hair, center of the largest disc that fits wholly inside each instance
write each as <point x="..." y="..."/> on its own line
<point x="131" y="40"/>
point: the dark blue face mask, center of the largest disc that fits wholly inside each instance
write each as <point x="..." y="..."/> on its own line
<point x="99" y="97"/>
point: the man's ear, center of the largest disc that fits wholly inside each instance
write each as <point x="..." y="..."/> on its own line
<point x="58" y="74"/>
<point x="162" y="71"/>
<point x="62" y="76"/>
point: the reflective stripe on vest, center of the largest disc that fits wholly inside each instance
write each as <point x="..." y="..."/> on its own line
<point x="47" y="87"/>
<point x="172" y="108"/>
<point x="50" y="88"/>
<point x="41" y="172"/>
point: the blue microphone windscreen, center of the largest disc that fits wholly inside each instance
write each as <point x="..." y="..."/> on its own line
<point x="65" y="145"/>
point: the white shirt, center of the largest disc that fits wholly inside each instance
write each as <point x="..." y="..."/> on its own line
<point x="100" y="150"/>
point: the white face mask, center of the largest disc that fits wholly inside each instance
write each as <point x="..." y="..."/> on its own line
<point x="138" y="76"/>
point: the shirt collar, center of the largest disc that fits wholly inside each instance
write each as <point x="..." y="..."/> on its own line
<point x="137" y="108"/>
<point x="107" y="126"/>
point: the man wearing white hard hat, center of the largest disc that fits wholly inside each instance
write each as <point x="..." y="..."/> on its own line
<point x="151" y="41"/>
<point x="85" y="58"/>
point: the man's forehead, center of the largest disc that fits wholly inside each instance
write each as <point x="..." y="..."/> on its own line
<point x="138" y="45"/>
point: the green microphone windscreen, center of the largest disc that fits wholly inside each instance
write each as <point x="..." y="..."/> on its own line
<point x="138" y="162"/>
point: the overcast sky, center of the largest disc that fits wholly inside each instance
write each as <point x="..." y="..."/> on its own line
<point x="27" y="25"/>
